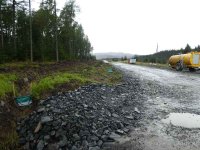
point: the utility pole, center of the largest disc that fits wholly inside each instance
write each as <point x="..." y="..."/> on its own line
<point x="157" y="48"/>
<point x="30" y="21"/>
<point x="56" y="33"/>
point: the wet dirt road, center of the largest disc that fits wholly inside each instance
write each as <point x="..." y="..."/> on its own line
<point x="167" y="93"/>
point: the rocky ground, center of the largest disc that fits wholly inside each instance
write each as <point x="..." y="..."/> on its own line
<point x="127" y="116"/>
<point x="27" y="75"/>
<point x="92" y="117"/>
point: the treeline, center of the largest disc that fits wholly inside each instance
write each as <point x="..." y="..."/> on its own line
<point x="43" y="35"/>
<point x="163" y="56"/>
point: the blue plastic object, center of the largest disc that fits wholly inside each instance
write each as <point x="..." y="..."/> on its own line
<point x="110" y="70"/>
<point x="23" y="100"/>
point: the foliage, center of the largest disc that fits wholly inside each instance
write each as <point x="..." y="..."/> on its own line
<point x="187" y="49"/>
<point x="50" y="82"/>
<point x="6" y="83"/>
<point x="15" y="32"/>
<point x="92" y="72"/>
<point x="9" y="138"/>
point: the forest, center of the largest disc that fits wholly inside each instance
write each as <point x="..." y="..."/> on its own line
<point x="163" y="56"/>
<point x="45" y="34"/>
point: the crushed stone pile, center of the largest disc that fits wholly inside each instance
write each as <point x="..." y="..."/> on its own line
<point x="92" y="117"/>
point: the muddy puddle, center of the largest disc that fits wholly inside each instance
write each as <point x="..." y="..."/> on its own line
<point x="185" y="120"/>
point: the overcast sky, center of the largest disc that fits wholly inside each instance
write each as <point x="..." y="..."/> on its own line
<point x="136" y="26"/>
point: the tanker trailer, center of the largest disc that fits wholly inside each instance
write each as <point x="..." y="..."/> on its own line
<point x="190" y="60"/>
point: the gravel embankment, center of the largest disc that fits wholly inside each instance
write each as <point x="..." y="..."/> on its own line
<point x="92" y="117"/>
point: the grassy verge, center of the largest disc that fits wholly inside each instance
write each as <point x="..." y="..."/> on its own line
<point x="91" y="73"/>
<point x="51" y="82"/>
<point x="9" y="138"/>
<point x="42" y="80"/>
<point x="6" y="83"/>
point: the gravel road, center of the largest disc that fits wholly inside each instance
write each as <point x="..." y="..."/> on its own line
<point x="152" y="109"/>
<point x="170" y="119"/>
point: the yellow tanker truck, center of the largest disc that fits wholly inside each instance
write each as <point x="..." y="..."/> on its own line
<point x="190" y="60"/>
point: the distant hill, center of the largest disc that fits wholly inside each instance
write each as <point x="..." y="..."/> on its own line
<point x="112" y="55"/>
<point x="159" y="57"/>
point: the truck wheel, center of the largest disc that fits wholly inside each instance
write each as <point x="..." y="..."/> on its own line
<point x="179" y="67"/>
<point x="192" y="70"/>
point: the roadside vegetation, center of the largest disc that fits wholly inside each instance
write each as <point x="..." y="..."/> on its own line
<point x="50" y="82"/>
<point x="6" y="83"/>
<point x="35" y="79"/>
<point x="45" y="34"/>
<point x="42" y="52"/>
<point x="41" y="80"/>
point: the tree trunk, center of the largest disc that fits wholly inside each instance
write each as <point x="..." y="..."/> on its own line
<point x="1" y="27"/>
<point x="14" y="30"/>
<point x="30" y="21"/>
<point x="56" y="33"/>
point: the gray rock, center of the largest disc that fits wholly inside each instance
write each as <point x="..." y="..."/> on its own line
<point x="56" y="110"/>
<point x="94" y="148"/>
<point x="92" y="144"/>
<point x="46" y="119"/>
<point x="53" y="147"/>
<point x="62" y="143"/>
<point x="106" y="132"/>
<point x="64" y="123"/>
<point x="74" y="148"/>
<point x="2" y="103"/>
<point x="104" y="137"/>
<point x="25" y="79"/>
<point x="46" y="137"/>
<point x="59" y="133"/>
<point x="108" y="145"/>
<point x="113" y="136"/>
<point x="120" y="125"/>
<point x="48" y="105"/>
<point x="41" y="110"/>
<point x="120" y="132"/>
<point x="53" y="133"/>
<point x="130" y="117"/>
<point x="85" y="143"/>
<point x="136" y="110"/>
<point x="76" y="137"/>
<point x="40" y="145"/>
<point x="115" y="115"/>
<point x="94" y="138"/>
<point x="126" y="130"/>
<point x="99" y="143"/>
<point x="85" y="106"/>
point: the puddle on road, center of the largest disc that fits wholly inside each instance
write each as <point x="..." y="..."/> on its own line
<point x="185" y="120"/>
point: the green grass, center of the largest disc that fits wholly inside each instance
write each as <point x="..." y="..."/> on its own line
<point x="9" y="139"/>
<point x="99" y="73"/>
<point x="6" y="83"/>
<point x="50" y="82"/>
<point x="19" y="65"/>
<point x="95" y="73"/>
